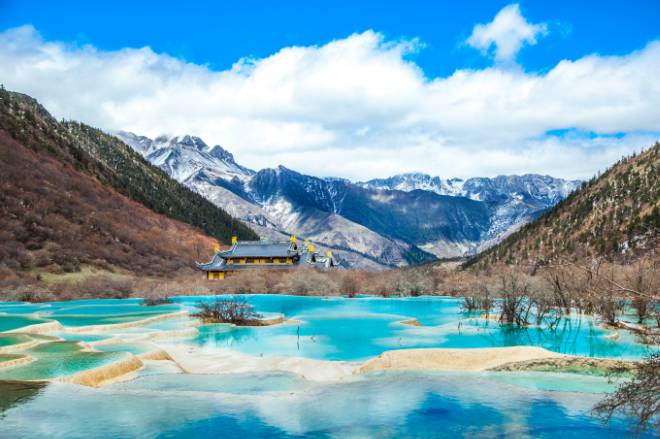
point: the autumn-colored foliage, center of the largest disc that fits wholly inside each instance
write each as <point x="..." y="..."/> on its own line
<point x="76" y="200"/>
<point x="56" y="218"/>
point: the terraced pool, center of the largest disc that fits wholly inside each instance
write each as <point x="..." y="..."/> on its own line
<point x="164" y="402"/>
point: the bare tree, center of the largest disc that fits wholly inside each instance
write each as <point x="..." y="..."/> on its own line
<point x="638" y="398"/>
<point x="350" y="283"/>
<point x="479" y="298"/>
<point x="310" y="280"/>
<point x="234" y="310"/>
<point x="641" y="307"/>
<point x="155" y="301"/>
<point x="514" y="305"/>
<point x="412" y="282"/>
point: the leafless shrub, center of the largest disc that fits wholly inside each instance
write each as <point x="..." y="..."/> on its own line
<point x="234" y="310"/>
<point x="515" y="305"/>
<point x="412" y="282"/>
<point x="641" y="307"/>
<point x="599" y="287"/>
<point x="350" y="283"/>
<point x="479" y="299"/>
<point x="610" y="308"/>
<point x="306" y="281"/>
<point x="559" y="281"/>
<point x="247" y="282"/>
<point x="155" y="301"/>
<point x="470" y="303"/>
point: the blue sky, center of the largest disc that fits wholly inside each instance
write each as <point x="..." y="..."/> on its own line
<point x="218" y="33"/>
<point x="554" y="87"/>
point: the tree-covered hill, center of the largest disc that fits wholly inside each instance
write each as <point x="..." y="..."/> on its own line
<point x="72" y="197"/>
<point x="113" y="163"/>
<point x="615" y="215"/>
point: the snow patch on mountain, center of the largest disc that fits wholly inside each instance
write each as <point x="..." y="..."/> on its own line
<point x="540" y="187"/>
<point x="372" y="223"/>
<point x="184" y="156"/>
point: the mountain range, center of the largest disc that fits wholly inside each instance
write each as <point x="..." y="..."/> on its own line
<point x="401" y="220"/>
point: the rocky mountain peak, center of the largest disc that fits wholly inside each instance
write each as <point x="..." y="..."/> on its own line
<point x="219" y="152"/>
<point x="141" y="144"/>
<point x="185" y="140"/>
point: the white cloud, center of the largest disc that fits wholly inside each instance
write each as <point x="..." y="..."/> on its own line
<point x="354" y="107"/>
<point x="508" y="31"/>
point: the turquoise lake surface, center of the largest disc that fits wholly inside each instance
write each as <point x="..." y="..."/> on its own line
<point x="280" y="405"/>
<point x="161" y="402"/>
<point x="360" y="328"/>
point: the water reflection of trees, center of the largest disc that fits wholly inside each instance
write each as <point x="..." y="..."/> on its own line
<point x="228" y="336"/>
<point x="14" y="393"/>
<point x="569" y="336"/>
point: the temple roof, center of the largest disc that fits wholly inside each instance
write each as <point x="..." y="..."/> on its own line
<point x="250" y="249"/>
<point x="213" y="265"/>
<point x="264" y="249"/>
<point x="253" y="249"/>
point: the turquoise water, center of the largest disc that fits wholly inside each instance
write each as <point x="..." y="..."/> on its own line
<point x="96" y="312"/>
<point x="162" y="402"/>
<point x="96" y="309"/>
<point x="9" y="357"/>
<point x="15" y="315"/>
<point x="133" y="348"/>
<point x="56" y="359"/>
<point x="356" y="329"/>
<point x="22" y="308"/>
<point x="111" y="319"/>
<point x="331" y="328"/>
<point x="13" y="322"/>
<point x="385" y="405"/>
<point x="13" y="339"/>
<point x="79" y="336"/>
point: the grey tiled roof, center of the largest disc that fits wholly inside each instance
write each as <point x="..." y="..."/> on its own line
<point x="252" y="249"/>
<point x="213" y="265"/>
<point x="238" y="267"/>
<point x="257" y="249"/>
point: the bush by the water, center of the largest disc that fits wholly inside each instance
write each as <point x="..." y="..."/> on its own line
<point x="233" y="309"/>
<point x="155" y="301"/>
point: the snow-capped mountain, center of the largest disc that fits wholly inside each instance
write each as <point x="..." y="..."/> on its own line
<point x="184" y="156"/>
<point x="545" y="189"/>
<point x="385" y="222"/>
<point x="413" y="181"/>
<point x="514" y="199"/>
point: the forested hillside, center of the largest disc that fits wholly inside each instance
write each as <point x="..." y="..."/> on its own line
<point x="72" y="197"/>
<point x="615" y="215"/>
<point x="113" y="163"/>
